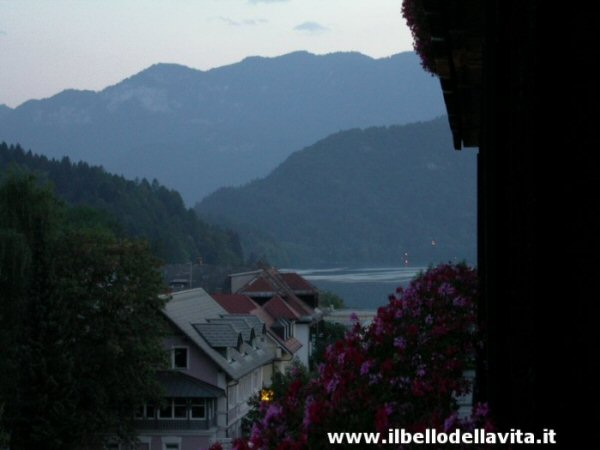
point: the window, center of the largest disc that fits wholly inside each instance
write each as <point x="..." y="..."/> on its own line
<point x="180" y="358"/>
<point x="180" y="408"/>
<point x="174" y="408"/>
<point x="145" y="412"/>
<point x="150" y="411"/>
<point x="198" y="408"/>
<point x="166" y="412"/>
<point x="171" y="443"/>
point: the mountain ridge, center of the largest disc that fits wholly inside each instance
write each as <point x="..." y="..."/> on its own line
<point x="362" y="196"/>
<point x="188" y="128"/>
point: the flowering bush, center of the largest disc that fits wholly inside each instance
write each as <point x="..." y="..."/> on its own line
<point x="414" y="14"/>
<point x="405" y="370"/>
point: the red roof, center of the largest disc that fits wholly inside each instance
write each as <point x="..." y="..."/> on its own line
<point x="259" y="284"/>
<point x="279" y="309"/>
<point x="296" y="282"/>
<point x="293" y="344"/>
<point x="235" y="303"/>
<point x="299" y="305"/>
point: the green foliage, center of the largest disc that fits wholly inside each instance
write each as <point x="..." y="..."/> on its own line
<point x="131" y="208"/>
<point x="280" y="384"/>
<point x="327" y="333"/>
<point x="328" y="299"/>
<point x="80" y="325"/>
<point x="360" y="197"/>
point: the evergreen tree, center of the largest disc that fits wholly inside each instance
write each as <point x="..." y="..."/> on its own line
<point x="80" y="325"/>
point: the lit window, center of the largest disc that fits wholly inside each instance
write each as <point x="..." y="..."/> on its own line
<point x="180" y="358"/>
<point x="267" y="395"/>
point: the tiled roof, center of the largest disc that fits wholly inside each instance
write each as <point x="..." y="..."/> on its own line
<point x="296" y="282"/>
<point x="185" y="309"/>
<point x="299" y="305"/>
<point x="278" y="308"/>
<point x="255" y="322"/>
<point x="271" y="282"/>
<point x="177" y="384"/>
<point x="235" y="303"/>
<point x="259" y="284"/>
<point x="293" y="344"/>
<point x="239" y="324"/>
<point x="219" y="335"/>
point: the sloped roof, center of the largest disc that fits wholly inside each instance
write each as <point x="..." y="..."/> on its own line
<point x="252" y="320"/>
<point x="279" y="308"/>
<point x="293" y="344"/>
<point x="258" y="285"/>
<point x="270" y="282"/>
<point x="192" y="307"/>
<point x="178" y="384"/>
<point x="297" y="282"/>
<point x="235" y="303"/>
<point x="219" y="335"/>
<point x="299" y="305"/>
<point x="239" y="324"/>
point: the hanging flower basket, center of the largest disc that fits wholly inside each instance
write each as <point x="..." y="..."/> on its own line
<point x="414" y="12"/>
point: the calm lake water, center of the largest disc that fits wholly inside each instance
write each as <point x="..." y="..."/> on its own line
<point x="366" y="287"/>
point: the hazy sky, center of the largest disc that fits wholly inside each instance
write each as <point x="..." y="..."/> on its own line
<point x="50" y="45"/>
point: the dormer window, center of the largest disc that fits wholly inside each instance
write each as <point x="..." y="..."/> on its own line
<point x="179" y="359"/>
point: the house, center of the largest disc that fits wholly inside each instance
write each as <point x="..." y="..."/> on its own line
<point x="290" y="300"/>
<point x="286" y="349"/>
<point x="217" y="362"/>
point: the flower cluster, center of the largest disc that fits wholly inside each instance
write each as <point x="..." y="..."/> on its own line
<point x="414" y="14"/>
<point x="405" y="370"/>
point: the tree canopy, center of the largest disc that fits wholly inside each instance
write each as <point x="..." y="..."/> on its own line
<point x="139" y="208"/>
<point x="80" y="324"/>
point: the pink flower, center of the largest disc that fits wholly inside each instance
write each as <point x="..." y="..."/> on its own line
<point x="332" y="385"/>
<point x="365" y="367"/>
<point x="400" y="343"/>
<point x="450" y="422"/>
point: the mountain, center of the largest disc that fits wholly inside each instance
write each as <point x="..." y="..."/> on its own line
<point x="197" y="130"/>
<point x="360" y="196"/>
<point x="133" y="208"/>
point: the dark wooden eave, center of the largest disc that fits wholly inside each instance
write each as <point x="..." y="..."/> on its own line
<point x="456" y="29"/>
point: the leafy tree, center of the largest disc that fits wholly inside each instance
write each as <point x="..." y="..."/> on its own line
<point x="140" y="209"/>
<point x="80" y="322"/>
<point x="327" y="334"/>
<point x="329" y="299"/>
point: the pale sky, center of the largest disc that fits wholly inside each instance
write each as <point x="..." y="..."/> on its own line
<point x="47" y="46"/>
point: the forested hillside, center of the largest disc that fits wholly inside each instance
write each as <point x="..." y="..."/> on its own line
<point x="376" y="195"/>
<point x="135" y="208"/>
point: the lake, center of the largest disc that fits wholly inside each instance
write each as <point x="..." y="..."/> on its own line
<point x="364" y="287"/>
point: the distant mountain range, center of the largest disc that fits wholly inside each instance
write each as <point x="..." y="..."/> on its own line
<point x="196" y="131"/>
<point x="376" y="195"/>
